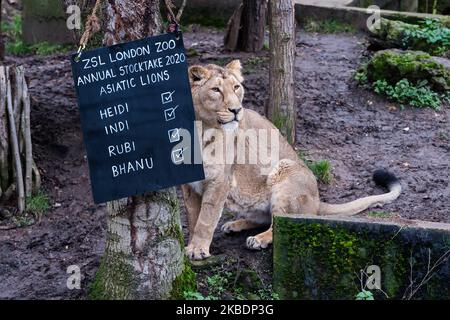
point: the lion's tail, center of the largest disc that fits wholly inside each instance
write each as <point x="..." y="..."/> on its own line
<point x="382" y="178"/>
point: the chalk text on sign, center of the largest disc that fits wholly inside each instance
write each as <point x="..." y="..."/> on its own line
<point x="149" y="79"/>
<point x="118" y="86"/>
<point x="123" y="148"/>
<point x="96" y="76"/>
<point x="132" y="166"/>
<point x="117" y="127"/>
<point x="116" y="110"/>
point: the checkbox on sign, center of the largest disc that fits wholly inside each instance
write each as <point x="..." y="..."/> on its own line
<point x="174" y="135"/>
<point x="169" y="114"/>
<point x="178" y="156"/>
<point x="166" y="97"/>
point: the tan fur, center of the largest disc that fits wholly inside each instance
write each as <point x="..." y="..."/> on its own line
<point x="289" y="188"/>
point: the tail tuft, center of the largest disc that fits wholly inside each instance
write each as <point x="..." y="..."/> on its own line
<point x="385" y="178"/>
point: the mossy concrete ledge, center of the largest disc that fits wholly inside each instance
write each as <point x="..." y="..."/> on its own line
<point x="322" y="258"/>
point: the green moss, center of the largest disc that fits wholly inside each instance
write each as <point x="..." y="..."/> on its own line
<point x="321" y="259"/>
<point x="415" y="66"/>
<point x="319" y="250"/>
<point x="184" y="283"/>
<point x="112" y="273"/>
<point x="285" y="124"/>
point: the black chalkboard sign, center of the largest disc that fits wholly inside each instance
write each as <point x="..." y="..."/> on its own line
<point x="137" y="117"/>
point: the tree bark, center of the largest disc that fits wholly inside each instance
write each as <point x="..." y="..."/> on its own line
<point x="2" y="42"/>
<point x="246" y="27"/>
<point x="144" y="256"/>
<point x="281" y="106"/>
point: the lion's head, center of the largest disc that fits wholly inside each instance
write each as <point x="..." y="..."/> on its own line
<point x="217" y="93"/>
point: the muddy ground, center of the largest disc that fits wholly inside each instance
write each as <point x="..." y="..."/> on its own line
<point x="354" y="129"/>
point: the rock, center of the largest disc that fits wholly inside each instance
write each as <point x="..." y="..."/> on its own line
<point x="392" y="34"/>
<point x="208" y="262"/>
<point x="392" y="31"/>
<point x="393" y="65"/>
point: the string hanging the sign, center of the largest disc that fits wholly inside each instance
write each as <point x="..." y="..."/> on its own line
<point x="92" y="26"/>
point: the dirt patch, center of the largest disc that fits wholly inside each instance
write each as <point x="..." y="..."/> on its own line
<point x="354" y="129"/>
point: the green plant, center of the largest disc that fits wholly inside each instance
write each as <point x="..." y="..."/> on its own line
<point x="379" y="214"/>
<point x="268" y="294"/>
<point x="320" y="168"/>
<point x="13" y="28"/>
<point x="217" y="284"/>
<point x="431" y="36"/>
<point x="189" y="295"/>
<point x="365" y="295"/>
<point x="253" y="64"/>
<point x="404" y="92"/>
<point x="328" y="26"/>
<point x="255" y="61"/>
<point x="191" y="52"/>
<point x="23" y="221"/>
<point x="222" y="61"/>
<point x="361" y="76"/>
<point x="38" y="204"/>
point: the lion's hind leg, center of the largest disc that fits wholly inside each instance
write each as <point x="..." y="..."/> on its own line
<point x="260" y="241"/>
<point x="293" y="191"/>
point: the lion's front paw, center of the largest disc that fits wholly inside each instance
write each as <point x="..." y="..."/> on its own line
<point x="258" y="243"/>
<point x="197" y="252"/>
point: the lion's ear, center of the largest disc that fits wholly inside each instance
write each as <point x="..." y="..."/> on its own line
<point x="198" y="75"/>
<point x="235" y="68"/>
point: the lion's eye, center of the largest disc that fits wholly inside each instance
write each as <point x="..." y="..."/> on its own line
<point x="215" y="89"/>
<point x="236" y="87"/>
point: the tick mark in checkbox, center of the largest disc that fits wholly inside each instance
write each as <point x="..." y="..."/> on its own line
<point x="170" y="113"/>
<point x="178" y="156"/>
<point x="166" y="97"/>
<point x="174" y="135"/>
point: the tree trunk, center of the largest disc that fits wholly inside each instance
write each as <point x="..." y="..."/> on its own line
<point x="19" y="175"/>
<point x="281" y="105"/>
<point x="144" y="255"/>
<point x="246" y="27"/>
<point x="2" y="42"/>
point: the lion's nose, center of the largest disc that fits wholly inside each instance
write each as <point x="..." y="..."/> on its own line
<point x="235" y="111"/>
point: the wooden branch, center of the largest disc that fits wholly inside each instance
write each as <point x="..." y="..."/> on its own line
<point x="15" y="144"/>
<point x="233" y="27"/>
<point x="4" y="136"/>
<point x="26" y="131"/>
<point x="180" y="11"/>
<point x="37" y="177"/>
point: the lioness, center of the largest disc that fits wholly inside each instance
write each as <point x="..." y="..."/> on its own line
<point x="289" y="188"/>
